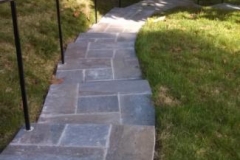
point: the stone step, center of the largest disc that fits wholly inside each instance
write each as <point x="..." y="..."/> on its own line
<point x="82" y="142"/>
<point x="107" y="102"/>
<point x="111" y="34"/>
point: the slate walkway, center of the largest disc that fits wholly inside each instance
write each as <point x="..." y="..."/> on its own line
<point x="103" y="109"/>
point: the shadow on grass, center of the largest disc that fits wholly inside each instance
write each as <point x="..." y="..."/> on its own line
<point x="200" y="71"/>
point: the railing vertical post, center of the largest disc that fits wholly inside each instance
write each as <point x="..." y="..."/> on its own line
<point x="20" y="65"/>
<point x="95" y="8"/>
<point x="119" y="3"/>
<point x="60" y="30"/>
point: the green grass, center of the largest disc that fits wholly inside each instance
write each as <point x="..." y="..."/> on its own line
<point x="212" y="2"/>
<point x="192" y="62"/>
<point x="39" y="39"/>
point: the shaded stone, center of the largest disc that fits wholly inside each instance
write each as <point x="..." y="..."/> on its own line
<point x="103" y="118"/>
<point x="112" y="45"/>
<point x="131" y="86"/>
<point x="43" y="134"/>
<point x="98" y="74"/>
<point x="85" y="64"/>
<point x="105" y="40"/>
<point x="137" y="110"/>
<point x="89" y="135"/>
<point x="114" y="29"/>
<point x="64" y="152"/>
<point x="98" y="104"/>
<point x="45" y="157"/>
<point x="70" y="76"/>
<point x="76" y="50"/>
<point x="61" y="99"/>
<point x="97" y="35"/>
<point x="131" y="143"/>
<point x="126" y="37"/>
<point x="125" y="53"/>
<point x="126" y="69"/>
<point x="100" y="54"/>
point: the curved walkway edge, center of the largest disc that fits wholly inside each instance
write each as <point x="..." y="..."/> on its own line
<point x="103" y="108"/>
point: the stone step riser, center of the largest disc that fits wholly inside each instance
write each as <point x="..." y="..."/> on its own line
<point x="85" y="142"/>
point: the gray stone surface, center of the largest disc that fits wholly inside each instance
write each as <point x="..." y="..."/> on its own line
<point x="131" y="143"/>
<point x="98" y="74"/>
<point x="47" y="134"/>
<point x="126" y="37"/>
<point x="112" y="45"/>
<point x="137" y="110"/>
<point x="64" y="152"/>
<point x="98" y="104"/>
<point x="125" y="53"/>
<point x="61" y="99"/>
<point x="100" y="54"/>
<point x="126" y="69"/>
<point x="103" y="118"/>
<point x="134" y="86"/>
<point x="85" y="135"/>
<point x="45" y="157"/>
<point x="76" y="50"/>
<point x="114" y="29"/>
<point x="97" y="35"/>
<point x="85" y="64"/>
<point x="70" y="76"/>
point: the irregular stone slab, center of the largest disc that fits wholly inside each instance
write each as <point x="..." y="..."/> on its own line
<point x="137" y="110"/>
<point x="98" y="104"/>
<point x="45" y="157"/>
<point x="68" y="152"/>
<point x="100" y="53"/>
<point x="43" y="134"/>
<point x="142" y="15"/>
<point x="126" y="69"/>
<point x="98" y="74"/>
<point x="105" y="40"/>
<point x="131" y="86"/>
<point x="89" y="135"/>
<point x="131" y="143"/>
<point x="114" y="30"/>
<point x="125" y="53"/>
<point x="76" y="50"/>
<point x="103" y="118"/>
<point x="99" y="27"/>
<point x="97" y="35"/>
<point x="70" y="76"/>
<point x="126" y="37"/>
<point x="61" y="99"/>
<point x="85" y="64"/>
<point x="112" y="45"/>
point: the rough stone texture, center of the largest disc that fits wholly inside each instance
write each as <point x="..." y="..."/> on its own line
<point x="47" y="134"/>
<point x="76" y="50"/>
<point x="68" y="152"/>
<point x="98" y="74"/>
<point x="126" y="69"/>
<point x="70" y="76"/>
<point x="100" y="54"/>
<point x="137" y="110"/>
<point x="125" y="53"/>
<point x="136" y="86"/>
<point x="112" y="45"/>
<point x="85" y="135"/>
<point x="61" y="98"/>
<point x="102" y="118"/>
<point x="98" y="104"/>
<point x="85" y="64"/>
<point x="127" y="37"/>
<point x="131" y="143"/>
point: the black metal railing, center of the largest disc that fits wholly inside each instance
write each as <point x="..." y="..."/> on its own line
<point x="20" y="62"/>
<point x="60" y="30"/>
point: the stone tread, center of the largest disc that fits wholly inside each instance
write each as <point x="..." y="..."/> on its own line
<point x="96" y="142"/>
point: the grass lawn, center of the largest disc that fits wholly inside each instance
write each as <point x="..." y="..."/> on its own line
<point x="192" y="61"/>
<point x="39" y="38"/>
